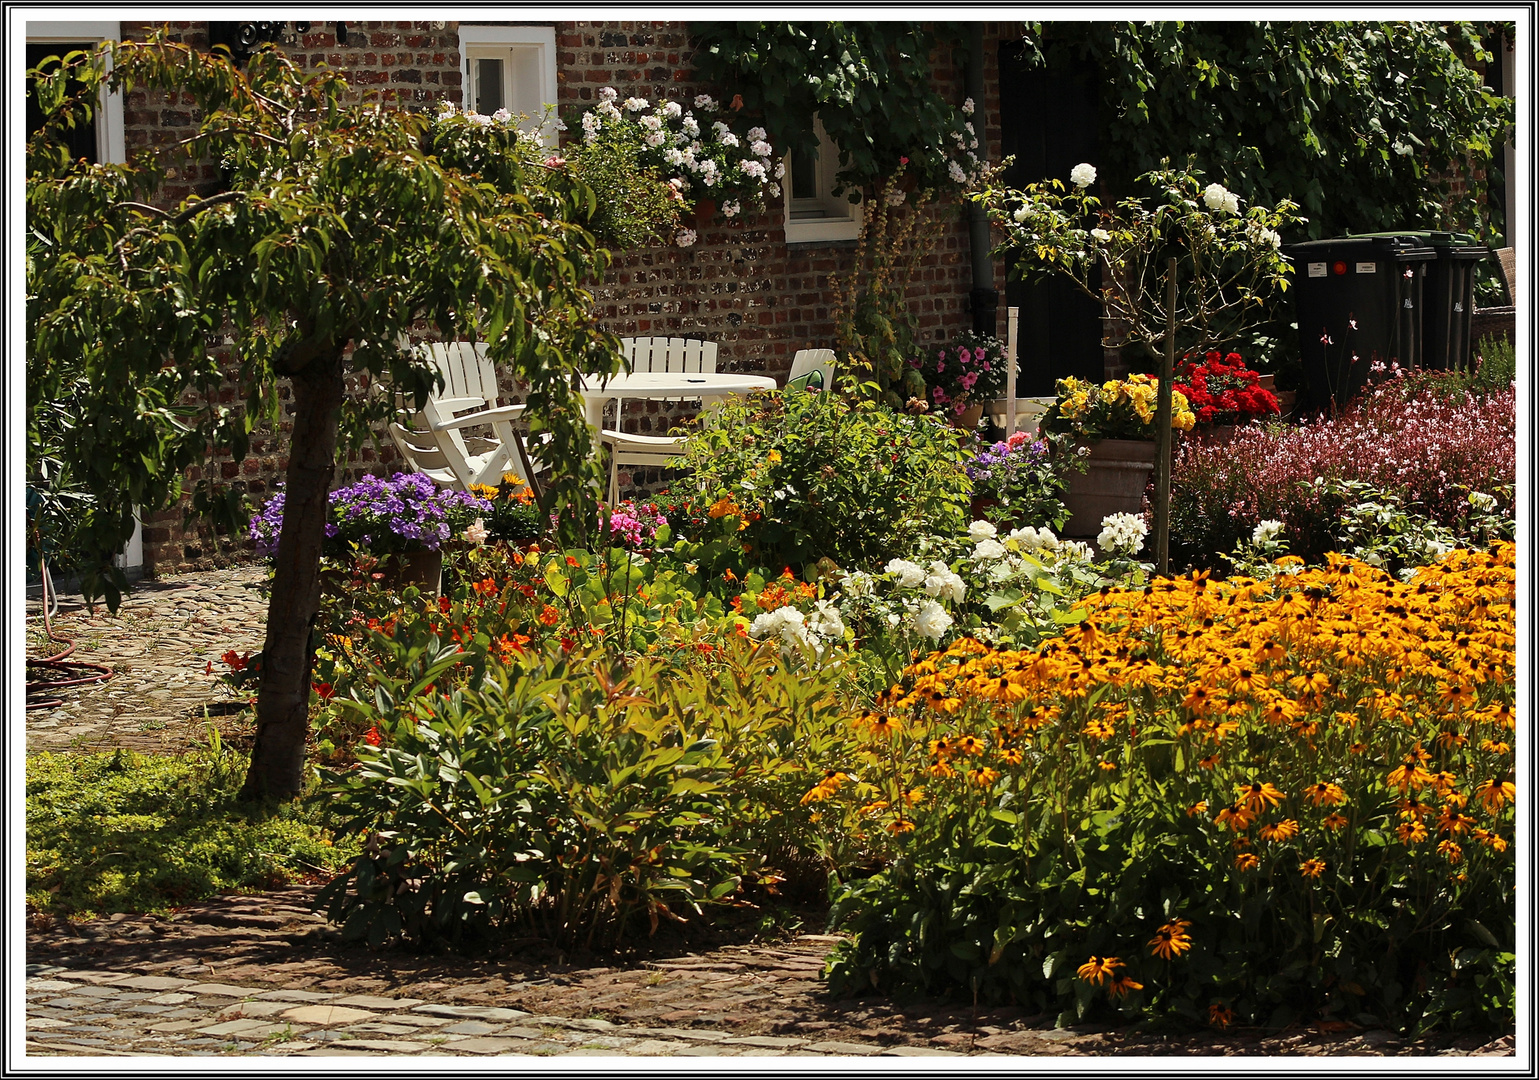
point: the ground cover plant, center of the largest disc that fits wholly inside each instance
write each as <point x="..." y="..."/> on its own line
<point x="1423" y="437"/>
<point x="1253" y="801"/>
<point x="132" y="832"/>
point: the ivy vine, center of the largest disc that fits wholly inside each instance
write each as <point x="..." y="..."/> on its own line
<point x="870" y="84"/>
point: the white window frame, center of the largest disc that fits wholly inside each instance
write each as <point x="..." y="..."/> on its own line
<point x="484" y="41"/>
<point x="840" y="218"/>
<point x="110" y="148"/>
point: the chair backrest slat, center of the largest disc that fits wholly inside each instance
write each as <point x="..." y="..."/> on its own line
<point x="806" y="361"/>
<point x="670" y="354"/>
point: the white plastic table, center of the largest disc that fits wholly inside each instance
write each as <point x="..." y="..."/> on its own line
<point x="596" y="390"/>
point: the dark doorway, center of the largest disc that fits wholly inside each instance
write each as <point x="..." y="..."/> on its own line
<point x="82" y="139"/>
<point x="1048" y="120"/>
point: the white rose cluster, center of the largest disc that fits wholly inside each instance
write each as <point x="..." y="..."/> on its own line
<point x="1122" y="533"/>
<point x="1082" y="175"/>
<point x="1218" y="197"/>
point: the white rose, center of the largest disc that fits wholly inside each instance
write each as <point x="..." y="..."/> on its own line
<point x="1021" y="215"/>
<point x="944" y="584"/>
<point x="1265" y="532"/>
<point x="910" y="575"/>
<point x="477" y="533"/>
<point x="825" y="621"/>
<point x="502" y="116"/>
<point x="858" y="583"/>
<point x="1231" y="202"/>
<point x="931" y="620"/>
<point x="1082" y="175"/>
<point x="981" y="530"/>
<point x="1122" y="532"/>
<point x="1101" y="235"/>
<point x="989" y="549"/>
<point x="1213" y="195"/>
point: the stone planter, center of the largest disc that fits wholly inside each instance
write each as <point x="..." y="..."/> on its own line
<point x="1114" y="482"/>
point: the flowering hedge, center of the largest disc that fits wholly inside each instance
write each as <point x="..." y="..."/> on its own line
<point x="1254" y="800"/>
<point x="1410" y="434"/>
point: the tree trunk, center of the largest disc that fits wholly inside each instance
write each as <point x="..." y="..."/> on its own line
<point x="283" y="700"/>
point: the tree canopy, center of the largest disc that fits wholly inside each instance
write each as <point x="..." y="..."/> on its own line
<point x="340" y="228"/>
<point x="1363" y="124"/>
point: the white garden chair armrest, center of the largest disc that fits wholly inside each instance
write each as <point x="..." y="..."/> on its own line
<point x="485" y="416"/>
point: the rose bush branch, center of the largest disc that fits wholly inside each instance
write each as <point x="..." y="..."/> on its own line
<point x="1229" y="263"/>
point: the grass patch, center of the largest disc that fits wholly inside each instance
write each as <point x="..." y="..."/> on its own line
<point x="140" y="833"/>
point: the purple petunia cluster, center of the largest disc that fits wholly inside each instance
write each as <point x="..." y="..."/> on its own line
<point x="1005" y="465"/>
<point x="404" y="512"/>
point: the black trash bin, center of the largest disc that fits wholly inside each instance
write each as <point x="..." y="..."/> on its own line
<point x="1448" y="298"/>
<point x="1358" y="300"/>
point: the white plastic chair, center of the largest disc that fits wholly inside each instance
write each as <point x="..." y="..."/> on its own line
<point x="812" y="368"/>
<point x="652" y="354"/>
<point x="433" y="440"/>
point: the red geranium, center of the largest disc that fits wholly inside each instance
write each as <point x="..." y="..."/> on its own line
<point x="1222" y="390"/>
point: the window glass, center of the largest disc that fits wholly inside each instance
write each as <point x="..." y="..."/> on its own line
<point x="488" y="85"/>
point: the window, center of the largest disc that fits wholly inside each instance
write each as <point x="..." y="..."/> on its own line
<point x="103" y="141"/>
<point x="513" y="68"/>
<point x="813" y="212"/>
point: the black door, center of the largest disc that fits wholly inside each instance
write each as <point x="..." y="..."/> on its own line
<point x="1048" y="118"/>
<point x="82" y="139"/>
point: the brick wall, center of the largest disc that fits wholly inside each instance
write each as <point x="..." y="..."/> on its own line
<point x="740" y="285"/>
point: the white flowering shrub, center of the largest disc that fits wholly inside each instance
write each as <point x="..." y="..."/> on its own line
<point x="1229" y="265"/>
<point x="699" y="157"/>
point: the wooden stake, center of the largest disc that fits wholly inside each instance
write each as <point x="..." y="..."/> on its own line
<point x="1012" y="321"/>
<point x="1163" y="431"/>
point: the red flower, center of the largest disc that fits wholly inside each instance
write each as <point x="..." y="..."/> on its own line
<point x="236" y="663"/>
<point x="323" y="690"/>
<point x="372" y="736"/>
<point x="443" y="604"/>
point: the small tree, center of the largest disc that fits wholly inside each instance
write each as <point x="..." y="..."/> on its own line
<point x="1228" y="260"/>
<point x="340" y="228"/>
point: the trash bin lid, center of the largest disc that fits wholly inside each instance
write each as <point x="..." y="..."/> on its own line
<point x="1449" y="245"/>
<point x="1400" y="247"/>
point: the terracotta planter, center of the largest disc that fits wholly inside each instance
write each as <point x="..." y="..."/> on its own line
<point x="1114" y="482"/>
<point x="969" y="417"/>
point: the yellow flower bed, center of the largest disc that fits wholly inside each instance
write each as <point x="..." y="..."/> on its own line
<point x="1332" y="740"/>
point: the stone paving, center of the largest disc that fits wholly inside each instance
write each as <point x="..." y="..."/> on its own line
<point x="264" y="975"/>
<point x="159" y="646"/>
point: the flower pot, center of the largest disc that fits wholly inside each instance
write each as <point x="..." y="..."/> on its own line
<point x="1114" y="482"/>
<point x="969" y="417"/>
<point x="1219" y="434"/>
<point x="1286" y="401"/>
<point x="1267" y="382"/>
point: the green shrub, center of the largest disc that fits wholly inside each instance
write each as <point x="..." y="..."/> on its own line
<point x="571" y="793"/>
<point x="130" y="832"/>
<point x="810" y="476"/>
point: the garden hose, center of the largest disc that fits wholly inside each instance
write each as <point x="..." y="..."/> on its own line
<point x="58" y="661"/>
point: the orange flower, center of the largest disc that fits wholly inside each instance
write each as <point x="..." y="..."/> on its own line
<point x="900" y="826"/>
<point x="1311" y="868"/>
<point x="1257" y="796"/>
<point x="485" y="587"/>
<point x="1333" y="821"/>
<point x="1220" y="1016"/>
<point x="1121" y="985"/>
<point x="549" y="615"/>
<point x="1282" y="832"/>
<point x="1246" y="861"/>
<point x="1096" y="969"/>
<point x="1325" y="794"/>
<point x="1496" y="793"/>
<point x="1170" y="940"/>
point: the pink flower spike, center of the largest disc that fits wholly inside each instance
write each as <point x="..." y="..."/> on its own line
<point x="1351" y="322"/>
<point x="1325" y="339"/>
<point x="903" y="161"/>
